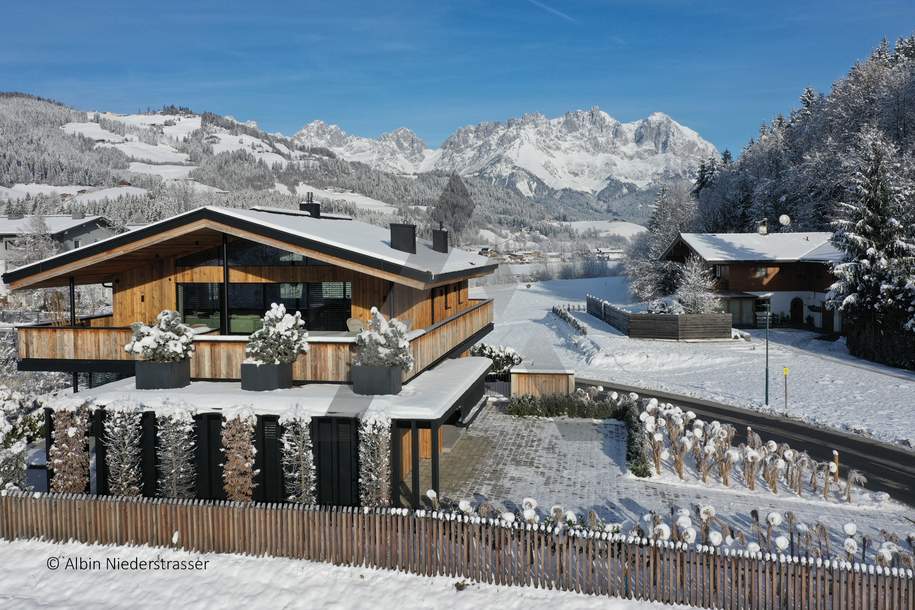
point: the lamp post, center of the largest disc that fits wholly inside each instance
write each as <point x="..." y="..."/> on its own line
<point x="768" y="315"/>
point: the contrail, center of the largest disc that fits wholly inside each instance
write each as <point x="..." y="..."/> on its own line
<point x="550" y="9"/>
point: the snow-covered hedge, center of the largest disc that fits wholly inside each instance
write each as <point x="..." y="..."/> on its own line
<point x="298" y="459"/>
<point x="575" y="323"/>
<point x="238" y="450"/>
<point x="665" y="306"/>
<point x="167" y="340"/>
<point x="280" y="340"/>
<point x="384" y="343"/>
<point x="69" y="454"/>
<point x="375" y="460"/>
<point x="503" y="357"/>
<point x="175" y="451"/>
<point x="123" y="436"/>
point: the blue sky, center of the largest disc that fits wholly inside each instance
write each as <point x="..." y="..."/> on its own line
<point x="721" y="68"/>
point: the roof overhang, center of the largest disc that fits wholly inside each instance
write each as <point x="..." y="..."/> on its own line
<point x="201" y="228"/>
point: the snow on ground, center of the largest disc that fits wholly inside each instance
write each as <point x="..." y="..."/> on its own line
<point x="21" y="191"/>
<point x="261" y="150"/>
<point x="609" y="228"/>
<point x="826" y="385"/>
<point x="178" y="128"/>
<point x="357" y="199"/>
<point x="166" y="171"/>
<point x="93" y="131"/>
<point x="110" y="193"/>
<point x="235" y="581"/>
<point x="159" y="153"/>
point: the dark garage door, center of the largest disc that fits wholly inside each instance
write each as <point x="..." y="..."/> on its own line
<point x="336" y="454"/>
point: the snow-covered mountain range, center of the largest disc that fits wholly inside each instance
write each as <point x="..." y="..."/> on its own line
<point x="585" y="150"/>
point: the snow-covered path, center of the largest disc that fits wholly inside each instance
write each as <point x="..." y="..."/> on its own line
<point x="233" y="581"/>
<point x="825" y="384"/>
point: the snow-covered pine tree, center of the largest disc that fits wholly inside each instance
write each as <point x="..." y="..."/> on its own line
<point x="383" y="343"/>
<point x="875" y="231"/>
<point x="16" y="424"/>
<point x="455" y="206"/>
<point x="375" y="460"/>
<point x="122" y="443"/>
<point x="238" y="454"/>
<point x="281" y="338"/>
<point x="175" y="452"/>
<point x="69" y="454"/>
<point x="697" y="288"/>
<point x="298" y="459"/>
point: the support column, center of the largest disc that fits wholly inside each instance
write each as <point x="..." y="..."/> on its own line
<point x="396" y="466"/>
<point x="48" y="439"/>
<point x="72" y="295"/>
<point x="224" y="300"/>
<point x="414" y="462"/>
<point x="148" y="454"/>
<point x="434" y="428"/>
<point x="101" y="452"/>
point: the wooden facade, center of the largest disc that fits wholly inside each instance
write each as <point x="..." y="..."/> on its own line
<point x="780" y="277"/>
<point x="530" y="382"/>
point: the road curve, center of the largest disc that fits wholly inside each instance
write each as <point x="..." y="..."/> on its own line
<point x="887" y="467"/>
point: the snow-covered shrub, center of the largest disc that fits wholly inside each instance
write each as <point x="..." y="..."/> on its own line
<point x="298" y="459"/>
<point x="69" y="454"/>
<point x="383" y="343"/>
<point x="175" y="452"/>
<point x="503" y="357"/>
<point x="375" y="460"/>
<point x="665" y="305"/>
<point x="280" y="340"/>
<point x="696" y="292"/>
<point x="575" y="323"/>
<point x="167" y="340"/>
<point x="20" y="420"/>
<point x="238" y="452"/>
<point x="123" y="436"/>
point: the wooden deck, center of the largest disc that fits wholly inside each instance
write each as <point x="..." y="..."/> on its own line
<point x="329" y="359"/>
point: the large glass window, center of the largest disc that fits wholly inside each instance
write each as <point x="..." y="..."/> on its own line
<point x="198" y="304"/>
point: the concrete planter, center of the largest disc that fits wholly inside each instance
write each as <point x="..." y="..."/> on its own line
<point x="162" y="375"/>
<point x="265" y="377"/>
<point x="371" y="380"/>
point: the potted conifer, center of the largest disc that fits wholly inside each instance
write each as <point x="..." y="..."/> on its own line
<point x="272" y="349"/>
<point x="164" y="349"/>
<point x="382" y="355"/>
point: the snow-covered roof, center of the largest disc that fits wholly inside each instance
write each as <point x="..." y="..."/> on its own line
<point x="753" y="247"/>
<point x="351" y="240"/>
<point x="56" y="223"/>
<point x="427" y="397"/>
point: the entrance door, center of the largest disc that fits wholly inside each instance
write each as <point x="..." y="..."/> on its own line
<point x="797" y="311"/>
<point x="336" y="446"/>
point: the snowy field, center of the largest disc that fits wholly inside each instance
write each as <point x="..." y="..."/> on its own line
<point x="141" y="151"/>
<point x="110" y="193"/>
<point x="362" y="202"/>
<point x="608" y="228"/>
<point x="826" y="385"/>
<point x="166" y="171"/>
<point x="21" y="191"/>
<point x="234" y="581"/>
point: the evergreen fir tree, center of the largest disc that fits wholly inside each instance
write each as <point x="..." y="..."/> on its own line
<point x="298" y="460"/>
<point x="375" y="460"/>
<point x="122" y="442"/>
<point x="69" y="454"/>
<point x="238" y="453"/>
<point x="455" y="206"/>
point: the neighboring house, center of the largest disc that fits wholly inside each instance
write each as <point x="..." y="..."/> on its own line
<point x="790" y="271"/>
<point x="222" y="268"/>
<point x="69" y="231"/>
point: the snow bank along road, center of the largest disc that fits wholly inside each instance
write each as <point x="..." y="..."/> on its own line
<point x="887" y="467"/>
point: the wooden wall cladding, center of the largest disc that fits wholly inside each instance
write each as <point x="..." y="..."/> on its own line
<point x="542" y="383"/>
<point x="330" y="362"/>
<point x="83" y="343"/>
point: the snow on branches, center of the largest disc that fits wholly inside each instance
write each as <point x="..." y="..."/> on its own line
<point x="280" y="340"/>
<point x="69" y="454"/>
<point x="375" y="460"/>
<point x="383" y="343"/>
<point x="175" y="452"/>
<point x="123" y="435"/>
<point x="696" y="292"/>
<point x="298" y="459"/>
<point x="503" y="357"/>
<point x="17" y="422"/>
<point x="238" y="451"/>
<point x="167" y="340"/>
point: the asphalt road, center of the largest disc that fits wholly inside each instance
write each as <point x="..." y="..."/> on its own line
<point x="887" y="467"/>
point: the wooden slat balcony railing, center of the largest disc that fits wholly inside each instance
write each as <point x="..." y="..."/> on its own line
<point x="329" y="358"/>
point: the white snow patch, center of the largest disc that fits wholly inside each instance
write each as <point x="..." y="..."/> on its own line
<point x="93" y="131"/>
<point x="159" y="153"/>
<point x="110" y="193"/>
<point x="166" y="171"/>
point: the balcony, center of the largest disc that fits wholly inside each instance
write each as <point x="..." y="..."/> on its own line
<point x="218" y="357"/>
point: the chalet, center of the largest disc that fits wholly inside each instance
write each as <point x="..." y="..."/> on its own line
<point x="787" y="271"/>
<point x="221" y="268"/>
<point x="68" y="231"/>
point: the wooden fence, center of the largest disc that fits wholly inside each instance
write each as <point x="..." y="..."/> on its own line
<point x="542" y="382"/>
<point x="661" y="326"/>
<point x="486" y="550"/>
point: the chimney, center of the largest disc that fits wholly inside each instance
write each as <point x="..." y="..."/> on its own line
<point x="440" y="239"/>
<point x="403" y="237"/>
<point x="311" y="206"/>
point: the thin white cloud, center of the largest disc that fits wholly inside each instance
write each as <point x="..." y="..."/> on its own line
<point x="552" y="10"/>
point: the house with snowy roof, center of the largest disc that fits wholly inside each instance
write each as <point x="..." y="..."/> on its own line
<point x="69" y="231"/>
<point x="221" y="269"/>
<point x="788" y="272"/>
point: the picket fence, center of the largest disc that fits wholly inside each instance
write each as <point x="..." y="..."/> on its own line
<point x="448" y="544"/>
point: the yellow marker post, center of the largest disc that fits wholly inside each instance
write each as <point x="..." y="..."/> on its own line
<point x="786" y="390"/>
